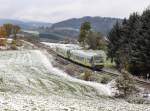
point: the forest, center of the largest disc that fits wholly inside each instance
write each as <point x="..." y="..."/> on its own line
<point x="129" y="44"/>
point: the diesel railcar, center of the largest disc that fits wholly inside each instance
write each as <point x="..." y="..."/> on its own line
<point x="91" y="58"/>
<point x="64" y="50"/>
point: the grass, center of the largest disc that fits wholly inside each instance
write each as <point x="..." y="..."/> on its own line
<point x="101" y="78"/>
<point x="109" y="64"/>
<point x="97" y="77"/>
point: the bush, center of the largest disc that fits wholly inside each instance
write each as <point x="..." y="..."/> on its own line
<point x="18" y="43"/>
<point x="3" y="42"/>
<point x="105" y="79"/>
<point x="13" y="45"/>
<point x="86" y="75"/>
<point x="125" y="84"/>
<point x="137" y="100"/>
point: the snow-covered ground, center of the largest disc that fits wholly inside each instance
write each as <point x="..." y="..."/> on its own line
<point x="28" y="81"/>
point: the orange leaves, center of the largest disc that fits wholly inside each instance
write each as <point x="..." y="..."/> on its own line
<point x="2" y="32"/>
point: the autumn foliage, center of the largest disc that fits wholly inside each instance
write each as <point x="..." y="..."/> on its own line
<point x="2" y="36"/>
<point x="2" y="32"/>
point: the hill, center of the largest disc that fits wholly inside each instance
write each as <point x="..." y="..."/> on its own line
<point x="65" y="29"/>
<point x="71" y="27"/>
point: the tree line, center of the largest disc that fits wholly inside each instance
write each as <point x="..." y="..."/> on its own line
<point x="6" y="30"/>
<point x="9" y="29"/>
<point x="129" y="44"/>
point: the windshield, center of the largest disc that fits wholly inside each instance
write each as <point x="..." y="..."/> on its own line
<point x="98" y="59"/>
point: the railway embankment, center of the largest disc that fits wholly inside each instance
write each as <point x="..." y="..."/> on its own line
<point x="104" y="76"/>
<point x="76" y="69"/>
<point x="80" y="68"/>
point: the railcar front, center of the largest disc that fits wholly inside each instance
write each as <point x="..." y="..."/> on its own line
<point x="97" y="62"/>
<point x="89" y="58"/>
<point x="62" y="51"/>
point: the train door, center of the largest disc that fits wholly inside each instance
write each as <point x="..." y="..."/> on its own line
<point x="68" y="54"/>
<point x="92" y="63"/>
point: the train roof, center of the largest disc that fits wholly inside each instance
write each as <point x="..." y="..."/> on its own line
<point x="51" y="45"/>
<point x="62" y="46"/>
<point x="69" y="46"/>
<point x="89" y="53"/>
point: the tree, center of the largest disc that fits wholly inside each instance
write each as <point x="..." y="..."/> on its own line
<point x="84" y="31"/>
<point x="131" y="33"/>
<point x="2" y="32"/>
<point x="130" y="36"/>
<point x="16" y="29"/>
<point x="86" y="75"/>
<point x="122" y="41"/>
<point x="141" y="54"/>
<point x="137" y="35"/>
<point x="129" y="44"/>
<point x="96" y="41"/>
<point x="115" y="43"/>
<point x="8" y="28"/>
<point x="2" y="36"/>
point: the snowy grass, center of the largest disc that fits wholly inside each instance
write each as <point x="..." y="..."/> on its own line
<point x="28" y="81"/>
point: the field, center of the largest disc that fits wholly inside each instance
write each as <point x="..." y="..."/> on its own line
<point x="28" y="81"/>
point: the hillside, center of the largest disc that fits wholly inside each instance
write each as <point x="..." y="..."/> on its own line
<point x="99" y="24"/>
<point x="30" y="82"/>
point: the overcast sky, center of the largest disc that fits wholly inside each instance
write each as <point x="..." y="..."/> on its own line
<point x="58" y="10"/>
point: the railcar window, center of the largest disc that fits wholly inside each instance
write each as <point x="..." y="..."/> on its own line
<point x="91" y="60"/>
<point x="97" y="57"/>
<point x="80" y="58"/>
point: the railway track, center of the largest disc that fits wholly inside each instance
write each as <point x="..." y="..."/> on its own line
<point x="50" y="51"/>
<point x="139" y="81"/>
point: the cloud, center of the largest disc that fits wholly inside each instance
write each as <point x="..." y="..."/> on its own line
<point x="57" y="10"/>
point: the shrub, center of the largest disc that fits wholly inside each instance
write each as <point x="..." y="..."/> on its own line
<point x="86" y="75"/>
<point x="137" y="100"/>
<point x="13" y="45"/>
<point x="3" y="42"/>
<point x="105" y="79"/>
<point x="125" y="84"/>
<point x="18" y="43"/>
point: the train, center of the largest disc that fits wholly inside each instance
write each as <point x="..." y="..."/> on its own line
<point x="94" y="59"/>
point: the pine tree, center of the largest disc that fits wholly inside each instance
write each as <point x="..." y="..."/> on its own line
<point x="142" y="53"/>
<point x="84" y="31"/>
<point x="114" y="43"/>
<point x="129" y="44"/>
<point x="15" y="30"/>
<point x="130" y="35"/>
<point x="8" y="28"/>
<point x="133" y="28"/>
